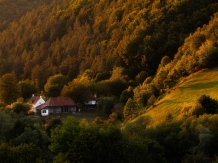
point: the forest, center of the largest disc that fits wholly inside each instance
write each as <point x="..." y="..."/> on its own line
<point x="129" y="54"/>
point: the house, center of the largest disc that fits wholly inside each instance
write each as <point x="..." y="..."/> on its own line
<point x="57" y="105"/>
<point x="91" y="103"/>
<point x="35" y="101"/>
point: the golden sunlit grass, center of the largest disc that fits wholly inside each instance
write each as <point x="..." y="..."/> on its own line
<point x="185" y="93"/>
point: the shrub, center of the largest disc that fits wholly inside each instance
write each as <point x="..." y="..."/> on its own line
<point x="209" y="105"/>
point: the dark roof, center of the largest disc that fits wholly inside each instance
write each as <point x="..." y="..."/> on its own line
<point x="92" y="98"/>
<point x="33" y="100"/>
<point x="57" y="101"/>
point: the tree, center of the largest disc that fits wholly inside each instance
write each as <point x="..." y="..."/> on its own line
<point x="78" y="91"/>
<point x="28" y="130"/>
<point x="210" y="105"/>
<point x="138" y="127"/>
<point x="164" y="61"/>
<point x="76" y="141"/>
<point x="129" y="110"/>
<point x="141" y="76"/>
<point x="106" y="104"/>
<point x="6" y="124"/>
<point x="55" y="84"/>
<point x="20" y="107"/>
<point x="138" y="150"/>
<point x="27" y="88"/>
<point x="126" y="94"/>
<point x="39" y="75"/>
<point x="9" y="90"/>
<point x="52" y="124"/>
<point x="20" y="154"/>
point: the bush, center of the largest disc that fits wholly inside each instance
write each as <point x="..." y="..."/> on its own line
<point x="209" y="105"/>
<point x="197" y="110"/>
<point x="20" y="107"/>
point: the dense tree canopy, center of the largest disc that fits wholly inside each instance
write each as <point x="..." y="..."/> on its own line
<point x="27" y="88"/>
<point x="69" y="37"/>
<point x="9" y="90"/>
<point x="55" y="84"/>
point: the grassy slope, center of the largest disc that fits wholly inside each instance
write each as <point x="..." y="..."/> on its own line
<point x="185" y="93"/>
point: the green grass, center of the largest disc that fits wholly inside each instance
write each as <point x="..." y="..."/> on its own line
<point x="185" y="93"/>
<point x="89" y="115"/>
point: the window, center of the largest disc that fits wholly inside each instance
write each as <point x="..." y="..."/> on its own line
<point x="65" y="109"/>
<point x="43" y="111"/>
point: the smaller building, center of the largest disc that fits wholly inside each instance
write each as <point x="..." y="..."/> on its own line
<point x="57" y="105"/>
<point x="91" y="103"/>
<point x="35" y="101"/>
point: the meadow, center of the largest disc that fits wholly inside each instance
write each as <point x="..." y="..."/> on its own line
<point x="184" y="94"/>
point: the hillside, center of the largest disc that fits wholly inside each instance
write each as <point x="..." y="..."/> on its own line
<point x="147" y="62"/>
<point x="69" y="37"/>
<point x="185" y="94"/>
<point x="13" y="10"/>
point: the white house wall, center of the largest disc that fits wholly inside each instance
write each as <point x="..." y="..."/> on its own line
<point x="44" y="112"/>
<point x="72" y="109"/>
<point x="57" y="110"/>
<point x="93" y="102"/>
<point x="39" y="102"/>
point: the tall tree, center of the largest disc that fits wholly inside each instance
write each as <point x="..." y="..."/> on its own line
<point x="27" y="88"/>
<point x="77" y="90"/>
<point x="9" y="90"/>
<point x="55" y="84"/>
<point x="129" y="110"/>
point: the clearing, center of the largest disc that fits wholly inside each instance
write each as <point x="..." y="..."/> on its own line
<point x="186" y="93"/>
<point x="89" y="115"/>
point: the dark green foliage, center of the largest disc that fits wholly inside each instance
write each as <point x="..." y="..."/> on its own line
<point x="27" y="88"/>
<point x="192" y="139"/>
<point x="208" y="138"/>
<point x="210" y="105"/>
<point x="78" y="91"/>
<point x="106" y="104"/>
<point x="130" y="109"/>
<point x="141" y="76"/>
<point x="138" y="127"/>
<point x="55" y="84"/>
<point x="102" y="76"/>
<point x="9" y="90"/>
<point x="23" y="138"/>
<point x="52" y="124"/>
<point x="210" y="58"/>
<point x="110" y="87"/>
<point x="126" y="94"/>
<point x="197" y="109"/>
<point x="6" y="124"/>
<point x="167" y="135"/>
<point x="199" y="157"/>
<point x="20" y="107"/>
<point x="84" y="142"/>
<point x="20" y="154"/>
<point x="116" y="87"/>
<point x="198" y="40"/>
<point x="27" y="130"/>
<point x="139" y="150"/>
